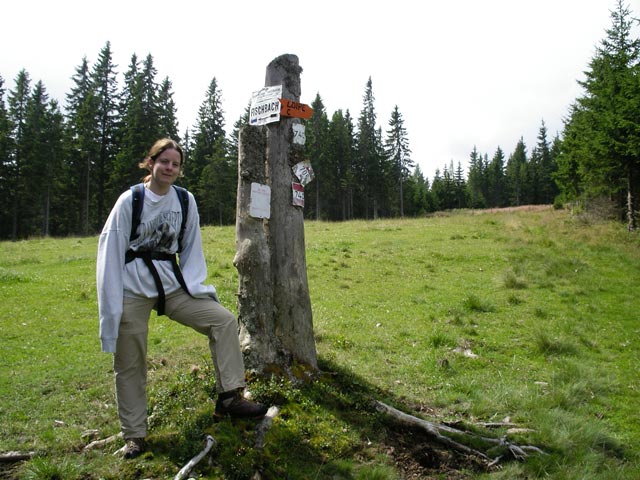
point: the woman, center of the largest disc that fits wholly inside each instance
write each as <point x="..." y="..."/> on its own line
<point x="137" y="271"/>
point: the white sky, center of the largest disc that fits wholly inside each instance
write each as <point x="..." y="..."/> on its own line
<point x="462" y="73"/>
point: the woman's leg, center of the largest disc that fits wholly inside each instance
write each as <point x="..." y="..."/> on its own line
<point x="210" y="318"/>
<point x="130" y="367"/>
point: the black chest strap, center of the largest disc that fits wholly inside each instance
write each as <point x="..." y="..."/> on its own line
<point x="148" y="257"/>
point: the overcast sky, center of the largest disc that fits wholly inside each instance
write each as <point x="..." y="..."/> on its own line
<point x="462" y="73"/>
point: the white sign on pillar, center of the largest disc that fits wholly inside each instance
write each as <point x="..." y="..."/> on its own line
<point x="299" y="137"/>
<point x="265" y="105"/>
<point x="260" y="205"/>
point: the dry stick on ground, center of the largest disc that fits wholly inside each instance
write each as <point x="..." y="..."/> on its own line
<point x="11" y="457"/>
<point x="184" y="471"/>
<point x="261" y="431"/>
<point x="434" y="429"/>
<point x="103" y="442"/>
<point x="265" y="425"/>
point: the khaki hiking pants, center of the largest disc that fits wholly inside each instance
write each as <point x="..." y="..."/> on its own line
<point x="205" y="316"/>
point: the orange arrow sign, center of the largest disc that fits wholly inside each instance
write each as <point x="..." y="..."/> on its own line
<point x="289" y="108"/>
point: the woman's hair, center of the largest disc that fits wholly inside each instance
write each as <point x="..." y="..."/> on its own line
<point x="155" y="151"/>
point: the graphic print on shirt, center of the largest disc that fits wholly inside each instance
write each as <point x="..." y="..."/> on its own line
<point x="159" y="234"/>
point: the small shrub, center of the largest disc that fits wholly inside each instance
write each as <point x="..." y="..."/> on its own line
<point x="475" y="304"/>
<point x="514" y="300"/>
<point x="440" y="339"/>
<point x="540" y="313"/>
<point x="553" y="346"/>
<point x="558" y="204"/>
<point x="513" y="281"/>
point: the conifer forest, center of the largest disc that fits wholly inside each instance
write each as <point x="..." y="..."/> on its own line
<point x="64" y="162"/>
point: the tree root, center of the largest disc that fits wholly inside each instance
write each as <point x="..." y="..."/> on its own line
<point x="434" y="430"/>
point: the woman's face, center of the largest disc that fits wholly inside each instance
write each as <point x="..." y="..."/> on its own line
<point x="166" y="168"/>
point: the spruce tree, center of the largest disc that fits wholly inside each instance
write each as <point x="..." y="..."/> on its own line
<point x="436" y="192"/>
<point x="516" y="175"/>
<point x="210" y="173"/>
<point x="546" y="168"/>
<point x="18" y="103"/>
<point x="476" y="180"/>
<point x="56" y="152"/>
<point x="496" y="180"/>
<point x="103" y="77"/>
<point x="572" y="152"/>
<point x="350" y="165"/>
<point x="83" y="141"/>
<point x="217" y="186"/>
<point x="369" y="158"/>
<point x="207" y="133"/>
<point x="338" y="190"/>
<point x="460" y="188"/>
<point x="40" y="164"/>
<point x="167" y="113"/>
<point x="241" y="122"/>
<point x="319" y="194"/>
<point x="125" y="171"/>
<point x="34" y="161"/>
<point x="143" y="122"/>
<point x="444" y="189"/>
<point x="152" y="114"/>
<point x="6" y="166"/>
<point x="399" y="154"/>
<point x="417" y="194"/>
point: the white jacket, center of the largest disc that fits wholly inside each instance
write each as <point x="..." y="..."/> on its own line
<point x="158" y="231"/>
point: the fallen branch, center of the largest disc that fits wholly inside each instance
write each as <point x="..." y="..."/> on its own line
<point x="103" y="442"/>
<point x="184" y="471"/>
<point x="431" y="428"/>
<point x="434" y="429"/>
<point x="11" y="457"/>
<point x="265" y="425"/>
<point x="261" y="432"/>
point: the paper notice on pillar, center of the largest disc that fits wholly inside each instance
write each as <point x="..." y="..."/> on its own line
<point x="265" y="105"/>
<point x="303" y="172"/>
<point x="299" y="137"/>
<point x="260" y="205"/>
<point x="298" y="194"/>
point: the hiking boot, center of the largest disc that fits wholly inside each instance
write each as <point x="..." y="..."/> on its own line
<point x="232" y="404"/>
<point x="134" y="447"/>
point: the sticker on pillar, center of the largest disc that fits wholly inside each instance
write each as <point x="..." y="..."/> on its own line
<point x="298" y="194"/>
<point x="260" y="205"/>
<point x="303" y="172"/>
<point x="299" y="138"/>
<point x="265" y="105"/>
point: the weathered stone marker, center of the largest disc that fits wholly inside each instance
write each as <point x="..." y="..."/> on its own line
<point x="274" y="307"/>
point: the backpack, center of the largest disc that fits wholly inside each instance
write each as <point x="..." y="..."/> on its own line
<point x="137" y="202"/>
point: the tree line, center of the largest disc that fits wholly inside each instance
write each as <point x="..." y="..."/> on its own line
<point x="63" y="167"/>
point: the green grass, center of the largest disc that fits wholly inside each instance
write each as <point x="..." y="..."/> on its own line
<point x="547" y="306"/>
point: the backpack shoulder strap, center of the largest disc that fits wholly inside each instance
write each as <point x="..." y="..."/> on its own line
<point x="183" y="196"/>
<point x="137" y="201"/>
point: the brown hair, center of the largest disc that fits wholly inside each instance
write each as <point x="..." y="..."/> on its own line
<point x="154" y="152"/>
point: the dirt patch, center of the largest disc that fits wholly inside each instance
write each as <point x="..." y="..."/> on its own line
<point x="9" y="471"/>
<point x="520" y="208"/>
<point x="416" y="456"/>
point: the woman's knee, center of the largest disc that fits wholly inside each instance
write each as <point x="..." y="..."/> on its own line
<point x="226" y="319"/>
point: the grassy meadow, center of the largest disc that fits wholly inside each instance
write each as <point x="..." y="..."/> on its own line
<point x="527" y="319"/>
